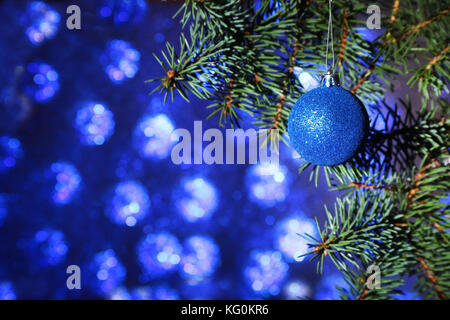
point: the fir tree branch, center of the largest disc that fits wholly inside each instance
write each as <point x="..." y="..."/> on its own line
<point x="366" y="186"/>
<point x="429" y="274"/>
<point x="390" y="210"/>
<point x="388" y="38"/>
<point x="343" y="40"/>
<point x="416" y="28"/>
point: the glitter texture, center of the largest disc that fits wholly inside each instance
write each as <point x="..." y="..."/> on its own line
<point x="328" y="125"/>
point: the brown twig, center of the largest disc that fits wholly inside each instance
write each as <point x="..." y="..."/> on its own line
<point x="421" y="25"/>
<point x="365" y="76"/>
<point x="418" y="178"/>
<point x="415" y="28"/>
<point x="228" y="98"/>
<point x="415" y="187"/>
<point x="431" y="277"/>
<point x="324" y="245"/>
<point x="395" y="8"/>
<point x="435" y="60"/>
<point x="277" y="116"/>
<point x="344" y="39"/>
<point x="366" y="186"/>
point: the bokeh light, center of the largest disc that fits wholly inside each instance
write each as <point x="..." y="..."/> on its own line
<point x="7" y="291"/>
<point x="327" y="287"/>
<point x="214" y="287"/>
<point x="48" y="246"/>
<point x="288" y="239"/>
<point x="67" y="182"/>
<point x="141" y="293"/>
<point x="120" y="60"/>
<point x="42" y="22"/>
<point x="265" y="272"/>
<point x="152" y="136"/>
<point x="164" y="292"/>
<point x="3" y="208"/>
<point x="159" y="292"/>
<point x="10" y="152"/>
<point x="296" y="157"/>
<point x="84" y="172"/>
<point x="130" y="203"/>
<point x="109" y="272"/>
<point x="42" y="82"/>
<point x="201" y="257"/>
<point x="308" y="80"/>
<point x="159" y="254"/>
<point x="296" y="289"/>
<point x="123" y="11"/>
<point x="120" y="293"/>
<point x="267" y="184"/>
<point x="197" y="199"/>
<point x="15" y="107"/>
<point x="95" y="123"/>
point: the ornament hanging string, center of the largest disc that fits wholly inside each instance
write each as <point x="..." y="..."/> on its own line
<point x="328" y="125"/>
<point x="330" y="36"/>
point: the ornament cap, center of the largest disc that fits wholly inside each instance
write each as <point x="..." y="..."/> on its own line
<point x="330" y="80"/>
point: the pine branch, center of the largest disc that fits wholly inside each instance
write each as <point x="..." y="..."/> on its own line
<point x="416" y="28"/>
<point x="429" y="274"/>
<point x="242" y="58"/>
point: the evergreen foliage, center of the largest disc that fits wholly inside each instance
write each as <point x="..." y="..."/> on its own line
<point x="243" y="56"/>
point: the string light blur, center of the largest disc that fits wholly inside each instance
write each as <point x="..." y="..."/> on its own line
<point x="152" y="136"/>
<point x="95" y="123"/>
<point x="42" y="22"/>
<point x="120" y="60"/>
<point x="141" y="293"/>
<point x="123" y="11"/>
<point x="164" y="292"/>
<point x="201" y="257"/>
<point x="130" y="203"/>
<point x="267" y="184"/>
<point x="48" y="247"/>
<point x="197" y="199"/>
<point x="288" y="239"/>
<point x="67" y="182"/>
<point x="265" y="272"/>
<point x="109" y="272"/>
<point x="7" y="291"/>
<point x="120" y="293"/>
<point x="296" y="289"/>
<point x="10" y="152"/>
<point x="159" y="254"/>
<point x="42" y="82"/>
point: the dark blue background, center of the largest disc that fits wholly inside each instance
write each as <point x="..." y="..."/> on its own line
<point x="30" y="264"/>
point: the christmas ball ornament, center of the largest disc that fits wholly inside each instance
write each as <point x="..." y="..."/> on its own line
<point x="328" y="125"/>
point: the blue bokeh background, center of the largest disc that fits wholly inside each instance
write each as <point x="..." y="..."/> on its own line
<point x="86" y="175"/>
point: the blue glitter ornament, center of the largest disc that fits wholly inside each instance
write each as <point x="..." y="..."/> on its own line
<point x="328" y="125"/>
